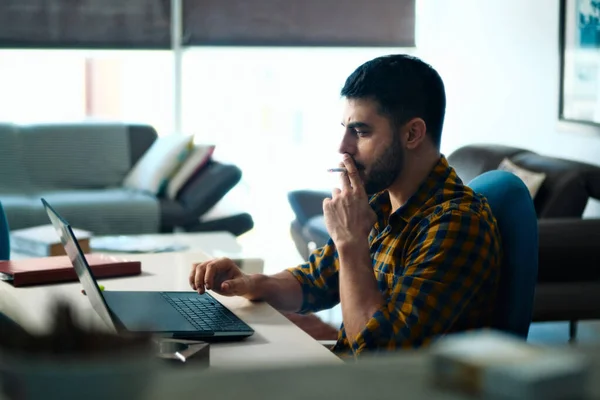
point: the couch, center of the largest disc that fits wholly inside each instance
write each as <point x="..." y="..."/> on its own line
<point x="568" y="286"/>
<point x="79" y="168"/>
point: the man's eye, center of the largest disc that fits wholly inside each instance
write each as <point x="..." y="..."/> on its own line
<point x="361" y="133"/>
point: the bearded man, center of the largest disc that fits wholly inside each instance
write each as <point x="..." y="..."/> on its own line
<point x="414" y="253"/>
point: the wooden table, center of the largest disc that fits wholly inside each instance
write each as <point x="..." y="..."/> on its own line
<point x="277" y="341"/>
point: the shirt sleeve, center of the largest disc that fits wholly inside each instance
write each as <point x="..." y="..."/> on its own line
<point x="319" y="278"/>
<point x="453" y="257"/>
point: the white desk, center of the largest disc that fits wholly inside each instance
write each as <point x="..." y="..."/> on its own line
<point x="215" y="244"/>
<point x="276" y="340"/>
<point x="211" y="243"/>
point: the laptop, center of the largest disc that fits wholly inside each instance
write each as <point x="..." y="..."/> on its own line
<point x="181" y="315"/>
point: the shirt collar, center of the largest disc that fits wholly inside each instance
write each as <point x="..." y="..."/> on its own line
<point x="435" y="181"/>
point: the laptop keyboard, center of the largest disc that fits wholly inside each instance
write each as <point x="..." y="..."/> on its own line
<point x="206" y="314"/>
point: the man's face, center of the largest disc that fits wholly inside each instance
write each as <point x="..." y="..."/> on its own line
<point x="370" y="139"/>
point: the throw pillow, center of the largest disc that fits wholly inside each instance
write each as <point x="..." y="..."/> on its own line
<point x="533" y="180"/>
<point x="199" y="157"/>
<point x="153" y="171"/>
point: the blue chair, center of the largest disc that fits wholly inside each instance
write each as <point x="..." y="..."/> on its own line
<point x="4" y="236"/>
<point x="513" y="208"/>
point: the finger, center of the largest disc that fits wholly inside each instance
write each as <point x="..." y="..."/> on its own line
<point x="192" y="277"/>
<point x="326" y="202"/>
<point x="199" y="278"/>
<point x="345" y="181"/>
<point x="235" y="287"/>
<point x="209" y="275"/>
<point x="352" y="173"/>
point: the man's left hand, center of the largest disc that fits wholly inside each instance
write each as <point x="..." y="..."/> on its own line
<point x="348" y="215"/>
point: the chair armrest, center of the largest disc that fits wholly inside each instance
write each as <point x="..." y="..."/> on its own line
<point x="316" y="231"/>
<point x="568" y="250"/>
<point x="307" y="204"/>
<point x="207" y="187"/>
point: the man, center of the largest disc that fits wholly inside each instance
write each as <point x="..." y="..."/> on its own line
<point x="417" y="259"/>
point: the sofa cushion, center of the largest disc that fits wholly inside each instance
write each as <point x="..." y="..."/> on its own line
<point x="565" y="190"/>
<point x="199" y="157"/>
<point x="533" y="180"/>
<point x="103" y="212"/>
<point x="473" y="160"/>
<point x="23" y="211"/>
<point x="153" y="171"/>
<point x="74" y="156"/>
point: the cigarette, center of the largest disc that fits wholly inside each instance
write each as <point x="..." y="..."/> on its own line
<point x="337" y="170"/>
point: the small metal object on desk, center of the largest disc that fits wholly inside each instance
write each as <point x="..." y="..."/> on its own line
<point x="183" y="352"/>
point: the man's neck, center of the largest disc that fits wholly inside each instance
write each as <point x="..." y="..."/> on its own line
<point x="411" y="178"/>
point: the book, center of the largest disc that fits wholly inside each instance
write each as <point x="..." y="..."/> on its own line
<point x="42" y="241"/>
<point x="35" y="271"/>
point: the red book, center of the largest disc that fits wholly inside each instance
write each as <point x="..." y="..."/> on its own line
<point x="35" y="271"/>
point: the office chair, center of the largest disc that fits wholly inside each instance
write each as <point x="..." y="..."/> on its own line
<point x="4" y="236"/>
<point x="514" y="211"/>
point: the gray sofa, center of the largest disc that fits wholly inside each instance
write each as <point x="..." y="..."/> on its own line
<point x="79" y="169"/>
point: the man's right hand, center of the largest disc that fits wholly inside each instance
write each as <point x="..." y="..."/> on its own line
<point x="222" y="276"/>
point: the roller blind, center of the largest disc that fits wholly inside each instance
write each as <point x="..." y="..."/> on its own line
<point x="140" y="24"/>
<point x="300" y="23"/>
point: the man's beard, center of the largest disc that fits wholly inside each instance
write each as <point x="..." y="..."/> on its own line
<point x="385" y="169"/>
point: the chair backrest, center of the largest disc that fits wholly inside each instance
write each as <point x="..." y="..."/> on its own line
<point x="513" y="209"/>
<point x="4" y="236"/>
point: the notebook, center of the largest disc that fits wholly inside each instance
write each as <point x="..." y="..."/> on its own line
<point x="36" y="271"/>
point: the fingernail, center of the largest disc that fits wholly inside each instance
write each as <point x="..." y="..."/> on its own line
<point x="226" y="286"/>
<point x="346" y="156"/>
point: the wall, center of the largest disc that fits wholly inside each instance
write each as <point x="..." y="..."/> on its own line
<point x="39" y="86"/>
<point x="500" y="63"/>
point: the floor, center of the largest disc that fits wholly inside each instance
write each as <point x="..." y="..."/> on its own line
<point x="275" y="245"/>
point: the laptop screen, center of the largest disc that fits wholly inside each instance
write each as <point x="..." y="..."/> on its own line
<point x="84" y="273"/>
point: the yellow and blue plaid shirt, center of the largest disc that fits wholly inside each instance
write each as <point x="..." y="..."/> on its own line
<point x="436" y="260"/>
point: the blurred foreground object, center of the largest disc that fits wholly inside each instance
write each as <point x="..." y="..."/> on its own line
<point x="499" y="366"/>
<point x="73" y="362"/>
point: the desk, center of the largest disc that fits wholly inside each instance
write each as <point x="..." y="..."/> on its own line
<point x="276" y="340"/>
<point x="211" y="243"/>
<point x="215" y="244"/>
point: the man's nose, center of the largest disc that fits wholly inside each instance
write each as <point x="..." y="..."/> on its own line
<point x="347" y="146"/>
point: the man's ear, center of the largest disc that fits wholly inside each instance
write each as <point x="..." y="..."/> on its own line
<point x="415" y="133"/>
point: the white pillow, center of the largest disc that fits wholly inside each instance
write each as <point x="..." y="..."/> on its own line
<point x="152" y="172"/>
<point x="200" y="155"/>
<point x="533" y="180"/>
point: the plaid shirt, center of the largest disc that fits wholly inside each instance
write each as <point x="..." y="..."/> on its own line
<point x="436" y="261"/>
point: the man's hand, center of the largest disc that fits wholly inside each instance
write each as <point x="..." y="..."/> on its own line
<point x="348" y="215"/>
<point x="222" y="276"/>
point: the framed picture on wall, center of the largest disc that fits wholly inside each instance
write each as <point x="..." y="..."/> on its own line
<point x="580" y="62"/>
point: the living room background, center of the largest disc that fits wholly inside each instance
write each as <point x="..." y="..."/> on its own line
<point x="274" y="111"/>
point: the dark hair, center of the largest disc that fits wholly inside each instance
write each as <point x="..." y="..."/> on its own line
<point x="404" y="87"/>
